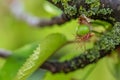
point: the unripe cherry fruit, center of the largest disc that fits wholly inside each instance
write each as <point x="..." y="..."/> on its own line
<point x="82" y="30"/>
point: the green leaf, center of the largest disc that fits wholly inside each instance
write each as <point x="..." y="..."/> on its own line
<point x="15" y="61"/>
<point x="44" y="50"/>
<point x="37" y="75"/>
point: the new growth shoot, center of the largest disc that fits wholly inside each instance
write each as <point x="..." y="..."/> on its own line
<point x="83" y="31"/>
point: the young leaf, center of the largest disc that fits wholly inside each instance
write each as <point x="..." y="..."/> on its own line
<point x="44" y="50"/>
<point x="38" y="75"/>
<point x="15" y="61"/>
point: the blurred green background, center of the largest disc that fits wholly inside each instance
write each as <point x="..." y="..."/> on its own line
<point x="15" y="33"/>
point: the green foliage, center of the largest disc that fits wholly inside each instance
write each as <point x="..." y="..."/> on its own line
<point x="107" y="42"/>
<point x="71" y="10"/>
<point x="15" y="33"/>
<point x="94" y="8"/>
<point x="14" y="62"/>
<point x="68" y="9"/>
<point x="45" y="49"/>
<point x="110" y="39"/>
<point x="56" y="1"/>
<point x="113" y="64"/>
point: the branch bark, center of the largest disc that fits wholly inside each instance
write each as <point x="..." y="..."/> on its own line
<point x="55" y="20"/>
<point x="17" y="9"/>
<point x="5" y="53"/>
<point x="100" y="12"/>
<point x="73" y="64"/>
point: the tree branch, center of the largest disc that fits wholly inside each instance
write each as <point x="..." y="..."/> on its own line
<point x="106" y="10"/>
<point x="55" y="20"/>
<point x="72" y="65"/>
<point x="5" y="53"/>
<point x="108" y="42"/>
<point x="17" y="9"/>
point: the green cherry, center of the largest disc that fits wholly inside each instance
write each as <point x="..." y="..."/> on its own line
<point x="82" y="30"/>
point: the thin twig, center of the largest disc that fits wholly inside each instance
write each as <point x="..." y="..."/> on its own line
<point x="17" y="9"/>
<point x="55" y="20"/>
<point x="5" y="53"/>
<point x="71" y="65"/>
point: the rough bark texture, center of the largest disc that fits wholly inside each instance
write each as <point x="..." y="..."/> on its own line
<point x="107" y="10"/>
